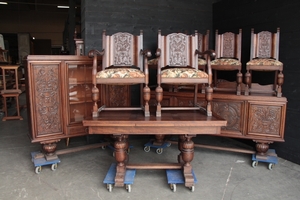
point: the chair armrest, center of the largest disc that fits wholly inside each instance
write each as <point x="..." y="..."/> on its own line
<point x="146" y="53"/>
<point x="94" y="54"/>
<point x="209" y="54"/>
<point x="158" y="52"/>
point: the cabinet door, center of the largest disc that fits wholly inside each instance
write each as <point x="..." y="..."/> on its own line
<point x="233" y="112"/>
<point x="266" y="119"/>
<point x="79" y="91"/>
<point x="45" y="96"/>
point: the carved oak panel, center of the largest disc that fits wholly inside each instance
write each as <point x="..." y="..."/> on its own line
<point x="264" y="44"/>
<point x="118" y="95"/>
<point x="123" y="53"/>
<point x="47" y="98"/>
<point x="265" y="119"/>
<point x="228" y="44"/>
<point x="232" y="112"/>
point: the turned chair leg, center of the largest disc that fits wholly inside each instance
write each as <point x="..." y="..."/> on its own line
<point x="159" y="97"/>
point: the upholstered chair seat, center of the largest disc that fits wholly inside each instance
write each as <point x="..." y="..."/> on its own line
<point x="120" y="73"/>
<point x="183" y="73"/>
<point x="265" y="62"/>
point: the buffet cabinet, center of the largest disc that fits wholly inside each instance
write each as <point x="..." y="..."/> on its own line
<point x="260" y="118"/>
<point x="59" y="96"/>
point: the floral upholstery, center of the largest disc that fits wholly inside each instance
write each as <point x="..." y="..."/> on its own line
<point x="120" y="73"/>
<point x="265" y="62"/>
<point x="153" y="61"/>
<point x="225" y="61"/>
<point x="183" y="73"/>
<point x="201" y="61"/>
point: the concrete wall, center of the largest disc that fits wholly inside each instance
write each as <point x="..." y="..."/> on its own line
<point x="149" y="16"/>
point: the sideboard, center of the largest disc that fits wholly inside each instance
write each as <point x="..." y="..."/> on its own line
<point x="260" y="118"/>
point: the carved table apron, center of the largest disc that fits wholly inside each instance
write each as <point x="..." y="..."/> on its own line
<point x="186" y="124"/>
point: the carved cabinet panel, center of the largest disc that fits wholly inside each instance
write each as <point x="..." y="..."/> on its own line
<point x="266" y="119"/>
<point x="45" y="99"/>
<point x="232" y="111"/>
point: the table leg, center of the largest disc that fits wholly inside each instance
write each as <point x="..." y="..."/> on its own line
<point x="187" y="154"/>
<point x="121" y="145"/>
<point x="181" y="139"/>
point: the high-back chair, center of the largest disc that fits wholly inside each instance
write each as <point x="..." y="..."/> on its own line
<point x="178" y="65"/>
<point x="264" y="55"/>
<point x="228" y="58"/>
<point x="124" y="62"/>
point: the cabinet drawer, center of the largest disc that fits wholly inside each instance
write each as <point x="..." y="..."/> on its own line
<point x="77" y="130"/>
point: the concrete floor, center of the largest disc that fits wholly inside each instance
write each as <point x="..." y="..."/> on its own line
<point x="221" y="175"/>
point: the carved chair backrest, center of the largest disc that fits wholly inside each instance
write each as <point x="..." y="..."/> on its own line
<point x="178" y="50"/>
<point x="228" y="45"/>
<point x="122" y="50"/>
<point x="264" y="44"/>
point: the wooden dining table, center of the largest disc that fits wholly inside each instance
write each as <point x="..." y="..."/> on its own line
<point x="184" y="123"/>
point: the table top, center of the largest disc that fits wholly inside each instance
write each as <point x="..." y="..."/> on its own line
<point x="171" y="122"/>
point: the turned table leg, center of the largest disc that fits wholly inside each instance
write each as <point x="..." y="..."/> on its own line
<point x="187" y="154"/>
<point x="181" y="139"/>
<point x="121" y="145"/>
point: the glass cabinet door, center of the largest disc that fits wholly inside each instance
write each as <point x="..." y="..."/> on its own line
<point x="80" y="92"/>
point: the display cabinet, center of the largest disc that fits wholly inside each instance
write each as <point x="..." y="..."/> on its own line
<point x="59" y="97"/>
<point x="79" y="95"/>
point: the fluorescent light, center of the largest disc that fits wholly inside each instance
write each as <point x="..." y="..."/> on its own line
<point x="62" y="6"/>
<point x="3" y="3"/>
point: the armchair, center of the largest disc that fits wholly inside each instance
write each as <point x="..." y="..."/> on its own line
<point x="124" y="62"/>
<point x="178" y="65"/>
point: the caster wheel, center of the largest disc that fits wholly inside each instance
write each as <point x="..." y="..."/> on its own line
<point x="109" y="187"/>
<point x="169" y="144"/>
<point x="271" y="165"/>
<point x="54" y="167"/>
<point x="192" y="188"/>
<point x="103" y="147"/>
<point x="254" y="164"/>
<point x="128" y="188"/>
<point x="173" y="187"/>
<point x="159" y="151"/>
<point x="38" y="169"/>
<point x="114" y="154"/>
<point x="147" y="148"/>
